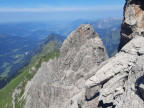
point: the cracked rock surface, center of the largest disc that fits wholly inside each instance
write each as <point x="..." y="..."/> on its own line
<point x="116" y="81"/>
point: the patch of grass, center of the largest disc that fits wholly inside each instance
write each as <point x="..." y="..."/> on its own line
<point x="51" y="46"/>
<point x="6" y="92"/>
<point x="20" y="104"/>
<point x="46" y="58"/>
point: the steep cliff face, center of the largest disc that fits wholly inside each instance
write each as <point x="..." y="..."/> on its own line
<point x="60" y="83"/>
<point x="133" y="22"/>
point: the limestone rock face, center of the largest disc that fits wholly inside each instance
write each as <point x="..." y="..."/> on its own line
<point x="60" y="83"/>
<point x="120" y="82"/>
<point x="133" y="22"/>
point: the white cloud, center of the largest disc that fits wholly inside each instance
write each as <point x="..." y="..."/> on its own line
<point x="61" y="9"/>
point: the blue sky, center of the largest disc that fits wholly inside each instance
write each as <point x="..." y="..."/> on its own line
<point x="39" y="10"/>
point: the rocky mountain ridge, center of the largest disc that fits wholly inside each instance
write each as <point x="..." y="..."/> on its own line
<point x="12" y="92"/>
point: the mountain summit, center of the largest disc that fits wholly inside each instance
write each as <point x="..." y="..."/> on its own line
<point x="59" y="83"/>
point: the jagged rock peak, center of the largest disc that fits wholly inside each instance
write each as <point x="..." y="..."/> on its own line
<point x="82" y="43"/>
<point x="78" y="38"/>
<point x="60" y="83"/>
<point x="133" y="22"/>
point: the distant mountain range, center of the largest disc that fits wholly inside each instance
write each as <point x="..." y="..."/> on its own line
<point x="17" y="40"/>
<point x="108" y="30"/>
